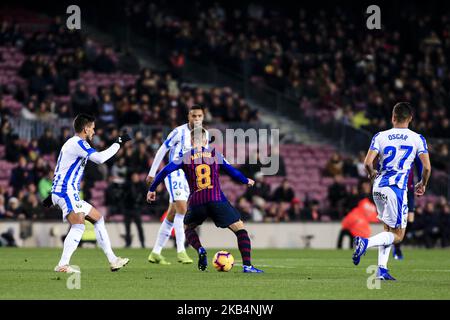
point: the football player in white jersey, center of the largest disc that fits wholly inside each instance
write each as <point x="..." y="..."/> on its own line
<point x="178" y="142"/>
<point x="72" y="159"/>
<point x="396" y="150"/>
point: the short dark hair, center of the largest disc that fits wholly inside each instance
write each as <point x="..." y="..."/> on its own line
<point x="196" y="107"/>
<point x="81" y="121"/>
<point x="402" y="111"/>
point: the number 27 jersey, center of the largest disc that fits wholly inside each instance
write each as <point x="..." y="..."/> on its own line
<point x="397" y="148"/>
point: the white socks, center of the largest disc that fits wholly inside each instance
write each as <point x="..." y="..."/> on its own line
<point x="71" y="243"/>
<point x="163" y="236"/>
<point x="178" y="224"/>
<point x="383" y="256"/>
<point x="382" y="239"/>
<point x="103" y="239"/>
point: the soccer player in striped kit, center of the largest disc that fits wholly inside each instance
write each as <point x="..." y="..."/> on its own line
<point x="201" y="165"/>
<point x="177" y="143"/>
<point x="65" y="192"/>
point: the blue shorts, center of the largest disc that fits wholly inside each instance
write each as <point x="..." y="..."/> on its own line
<point x="222" y="213"/>
<point x="411" y="205"/>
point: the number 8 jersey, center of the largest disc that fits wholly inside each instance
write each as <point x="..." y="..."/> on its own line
<point x="397" y="149"/>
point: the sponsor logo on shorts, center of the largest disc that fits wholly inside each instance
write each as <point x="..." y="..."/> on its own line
<point x="177" y="193"/>
<point x="78" y="206"/>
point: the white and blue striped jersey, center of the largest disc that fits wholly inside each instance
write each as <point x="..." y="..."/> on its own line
<point x="177" y="142"/>
<point x="69" y="169"/>
<point x="397" y="149"/>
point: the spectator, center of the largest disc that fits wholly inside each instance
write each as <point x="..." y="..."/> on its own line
<point x="119" y="172"/>
<point x="4" y="213"/>
<point x="47" y="142"/>
<point x="432" y="231"/>
<point x="177" y="62"/>
<point x="31" y="207"/>
<point x="259" y="194"/>
<point x="114" y="197"/>
<point x="445" y="225"/>
<point x="45" y="185"/>
<point x="295" y="211"/>
<point x="284" y="193"/>
<point x="311" y="212"/>
<point x="135" y="195"/>
<point x="335" y="166"/>
<point x="14" y="209"/>
<point x="337" y="195"/>
<point x="107" y="111"/>
<point x="21" y="175"/>
<point x="82" y="102"/>
<point x="14" y="148"/>
<point x="103" y="62"/>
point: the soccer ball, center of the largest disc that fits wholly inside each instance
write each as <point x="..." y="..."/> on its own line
<point x="223" y="261"/>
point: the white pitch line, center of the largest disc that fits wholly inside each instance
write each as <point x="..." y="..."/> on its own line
<point x="430" y="270"/>
<point x="269" y="266"/>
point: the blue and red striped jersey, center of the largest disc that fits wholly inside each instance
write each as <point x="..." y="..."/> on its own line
<point x="201" y="167"/>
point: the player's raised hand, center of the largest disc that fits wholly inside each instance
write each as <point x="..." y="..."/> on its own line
<point x="420" y="189"/>
<point x="151" y="196"/>
<point x="124" y="138"/>
<point x="250" y="182"/>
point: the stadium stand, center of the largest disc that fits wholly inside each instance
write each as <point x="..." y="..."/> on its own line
<point x="48" y="73"/>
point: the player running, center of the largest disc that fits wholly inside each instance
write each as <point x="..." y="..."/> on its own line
<point x="178" y="142"/>
<point x="66" y="187"/>
<point x="396" y="148"/>
<point x="201" y="165"/>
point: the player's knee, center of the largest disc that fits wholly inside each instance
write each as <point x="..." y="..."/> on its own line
<point x="237" y="226"/>
<point x="77" y="218"/>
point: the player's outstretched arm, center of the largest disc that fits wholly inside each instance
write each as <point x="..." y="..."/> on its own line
<point x="159" y="156"/>
<point x="171" y="167"/>
<point x="171" y="140"/>
<point x="234" y="173"/>
<point x="103" y="156"/>
<point x="426" y="173"/>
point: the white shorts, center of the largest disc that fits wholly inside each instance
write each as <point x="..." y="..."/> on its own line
<point x="177" y="186"/>
<point x="69" y="202"/>
<point x="392" y="205"/>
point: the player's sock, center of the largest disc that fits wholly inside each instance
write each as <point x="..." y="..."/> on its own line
<point x="163" y="236"/>
<point x="178" y="224"/>
<point x="192" y="238"/>
<point x="103" y="239"/>
<point x="245" y="246"/>
<point x="71" y="243"/>
<point x="382" y="239"/>
<point x="383" y="255"/>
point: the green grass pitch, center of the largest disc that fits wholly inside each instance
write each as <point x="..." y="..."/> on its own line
<point x="289" y="274"/>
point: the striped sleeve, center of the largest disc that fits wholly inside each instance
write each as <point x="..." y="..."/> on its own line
<point x="83" y="149"/>
<point x="375" y="144"/>
<point x="422" y="145"/>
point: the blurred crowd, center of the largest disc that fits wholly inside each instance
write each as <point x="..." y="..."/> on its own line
<point x="320" y="56"/>
<point x="53" y="59"/>
<point x="356" y="77"/>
